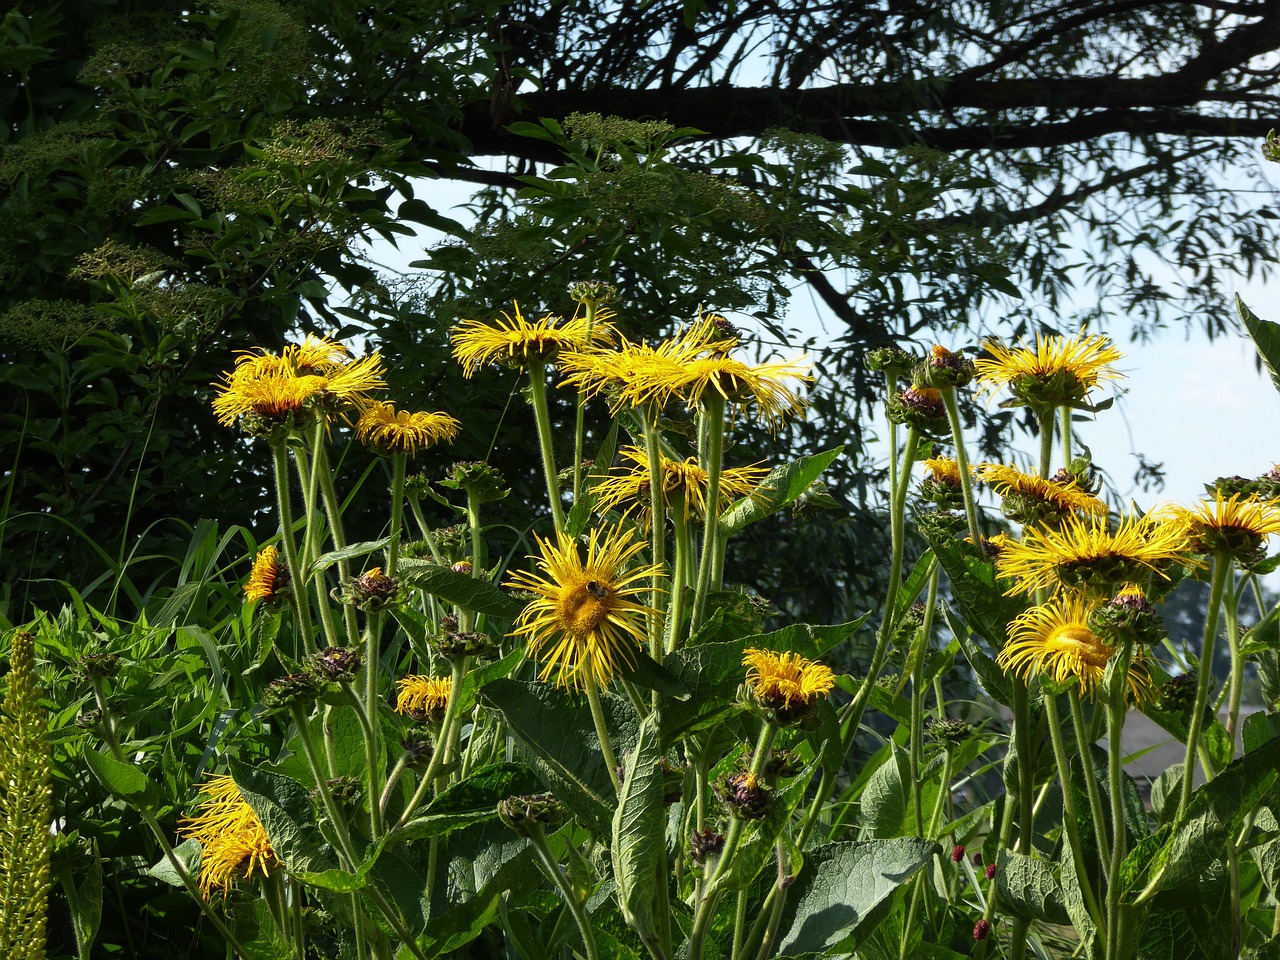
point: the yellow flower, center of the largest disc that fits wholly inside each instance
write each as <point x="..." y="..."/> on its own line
<point x="269" y="578"/>
<point x="1058" y="371"/>
<point x="945" y="470"/>
<point x="422" y="697"/>
<point x="1237" y="525"/>
<point x="1088" y="553"/>
<point x="232" y="839"/>
<point x="515" y="340"/>
<point x="780" y="679"/>
<point x="684" y="485"/>
<point x="270" y="386"/>
<point x="383" y="428"/>
<point x="585" y="620"/>
<point x="1055" y="639"/>
<point x="1070" y="497"/>
<point x="769" y="386"/>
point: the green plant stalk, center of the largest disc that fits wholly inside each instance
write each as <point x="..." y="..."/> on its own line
<point x="1115" y="775"/>
<point x="373" y="740"/>
<point x="916" y="753"/>
<point x="1235" y="688"/>
<point x="415" y="506"/>
<point x="658" y="533"/>
<point x="962" y="461"/>
<point x="538" y="394"/>
<point x="1065" y="427"/>
<point x="273" y="894"/>
<point x="479" y="551"/>
<point x="579" y="422"/>
<point x="602" y="730"/>
<point x="739" y="925"/>
<point x="1070" y="815"/>
<point x="1221" y="568"/>
<point x="556" y="874"/>
<point x="944" y="795"/>
<point x="851" y="716"/>
<point x="891" y="385"/>
<point x="284" y="509"/>
<point x="438" y="754"/>
<point x="713" y="417"/>
<point x="333" y="512"/>
<point x="1046" y="416"/>
<point x="680" y="573"/>
<point x="773" y="907"/>
<point x="1083" y="743"/>
<point x="398" y="465"/>
<point x="345" y="847"/>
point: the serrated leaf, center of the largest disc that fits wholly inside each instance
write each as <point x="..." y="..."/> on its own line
<point x="349" y="552"/>
<point x="780" y="488"/>
<point x="639" y="824"/>
<point x="1266" y="338"/>
<point x="472" y="801"/>
<point x="123" y="780"/>
<point x="284" y="807"/>
<point x="648" y="673"/>
<point x="981" y="598"/>
<point x="834" y="899"/>
<point x="460" y="589"/>
<point x="1030" y="888"/>
<point x="556" y="734"/>
<point x="188" y="855"/>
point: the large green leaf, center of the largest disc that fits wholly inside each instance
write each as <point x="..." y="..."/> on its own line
<point x="1030" y="888"/>
<point x="978" y="593"/>
<point x="460" y="589"/>
<point x="558" y="740"/>
<point x="349" y="552"/>
<point x="1266" y="337"/>
<point x="639" y="824"/>
<point x="781" y="487"/>
<point x="472" y="801"/>
<point x="833" y="902"/>
<point x="123" y="780"/>
<point x="283" y="805"/>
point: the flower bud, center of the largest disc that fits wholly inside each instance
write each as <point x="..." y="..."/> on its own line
<point x="919" y="407"/>
<point x="294" y="689"/>
<point x="890" y="361"/>
<point x="593" y="291"/>
<point x="744" y="795"/>
<point x="981" y="930"/>
<point x="990" y="872"/>
<point x="948" y="730"/>
<point x="100" y="666"/>
<point x="334" y="664"/>
<point x="524" y="814"/>
<point x="942" y="369"/>
<point x="705" y="844"/>
<point x="957" y="853"/>
<point x="371" y="591"/>
<point x="1127" y="616"/>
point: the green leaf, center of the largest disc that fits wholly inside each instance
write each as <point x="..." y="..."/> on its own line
<point x="1266" y="338"/>
<point x="257" y="932"/>
<point x="781" y="487"/>
<point x="1030" y="888"/>
<point x="284" y="807"/>
<point x="639" y="825"/>
<point x="349" y="552"/>
<point x="84" y="899"/>
<point x="1263" y="635"/>
<point x="556" y="734"/>
<point x="648" y="673"/>
<point x="1259" y="728"/>
<point x="472" y="801"/>
<point x="993" y="679"/>
<point x="123" y="780"/>
<point x="580" y="513"/>
<point x="977" y="592"/>
<point x="188" y="855"/>
<point x="833" y="903"/>
<point x="460" y="589"/>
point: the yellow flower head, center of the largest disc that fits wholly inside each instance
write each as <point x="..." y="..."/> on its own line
<point x="269" y="579"/>
<point x="945" y="471"/>
<point x="423" y="697"/>
<point x="1058" y="371"/>
<point x="1087" y="553"/>
<point x="1237" y="526"/>
<point x="515" y="340"/>
<point x="780" y="680"/>
<point x="383" y="428"/>
<point x="585" y="620"/>
<point x="303" y="375"/>
<point x="231" y="837"/>
<point x="1030" y="499"/>
<point x="1055" y="639"/>
<point x="684" y="485"/>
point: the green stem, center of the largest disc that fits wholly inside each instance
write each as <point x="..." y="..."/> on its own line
<point x="962" y="461"/>
<point x="1065" y="427"/>
<point x="440" y="749"/>
<point x="1235" y="688"/>
<point x="1084" y="745"/>
<point x="713" y="416"/>
<point x="1221" y="568"/>
<point x="1046" y="417"/>
<point x="579" y="423"/>
<point x="398" y="462"/>
<point x="280" y="461"/>
<point x="680" y="573"/>
<point x="538" y="394"/>
<point x="556" y="874"/>
<point x="602" y="730"/>
<point x="658" y="530"/>
<point x="1070" y="815"/>
<point x="373" y="741"/>
<point x="333" y="511"/>
<point x="1115" y="774"/>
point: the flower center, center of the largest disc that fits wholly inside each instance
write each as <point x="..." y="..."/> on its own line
<point x="584" y="608"/>
<point x="1079" y="640"/>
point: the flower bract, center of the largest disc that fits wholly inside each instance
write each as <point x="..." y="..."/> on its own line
<point x="1054" y="639"/>
<point x="233" y="843"/>
<point x="586" y="618"/>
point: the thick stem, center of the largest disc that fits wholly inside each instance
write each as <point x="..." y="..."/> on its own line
<point x="284" y="508"/>
<point x="1115" y="784"/>
<point x="602" y="730"/>
<point x="680" y="573"/>
<point x="1083" y="744"/>
<point x="398" y="462"/>
<point x="1065" y="427"/>
<point x="962" y="461"/>
<point x="713" y="416"/>
<point x="1046" y="417"/>
<point x="333" y="511"/>
<point x="1221" y="568"/>
<point x="373" y="741"/>
<point x="438" y="753"/>
<point x="1235" y="688"/>
<point x="579" y="421"/>
<point x="556" y="874"/>
<point x="658" y="531"/>
<point x="538" y="394"/>
<point x="1070" y="815"/>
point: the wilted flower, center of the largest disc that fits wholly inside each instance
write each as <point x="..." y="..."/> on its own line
<point x="269" y="580"/>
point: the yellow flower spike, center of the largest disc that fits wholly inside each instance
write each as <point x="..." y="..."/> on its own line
<point x="232" y="840"/>
<point x="423" y="697"/>
<point x="783" y="680"/>
<point x="1237" y="525"/>
<point x="269" y="579"/>
<point x="1059" y="371"/>
<point x="585" y="619"/>
<point x="514" y="340"/>
<point x="385" y="429"/>
<point x="684" y="485"/>
<point x="1088" y="553"/>
<point x="1054" y="639"/>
